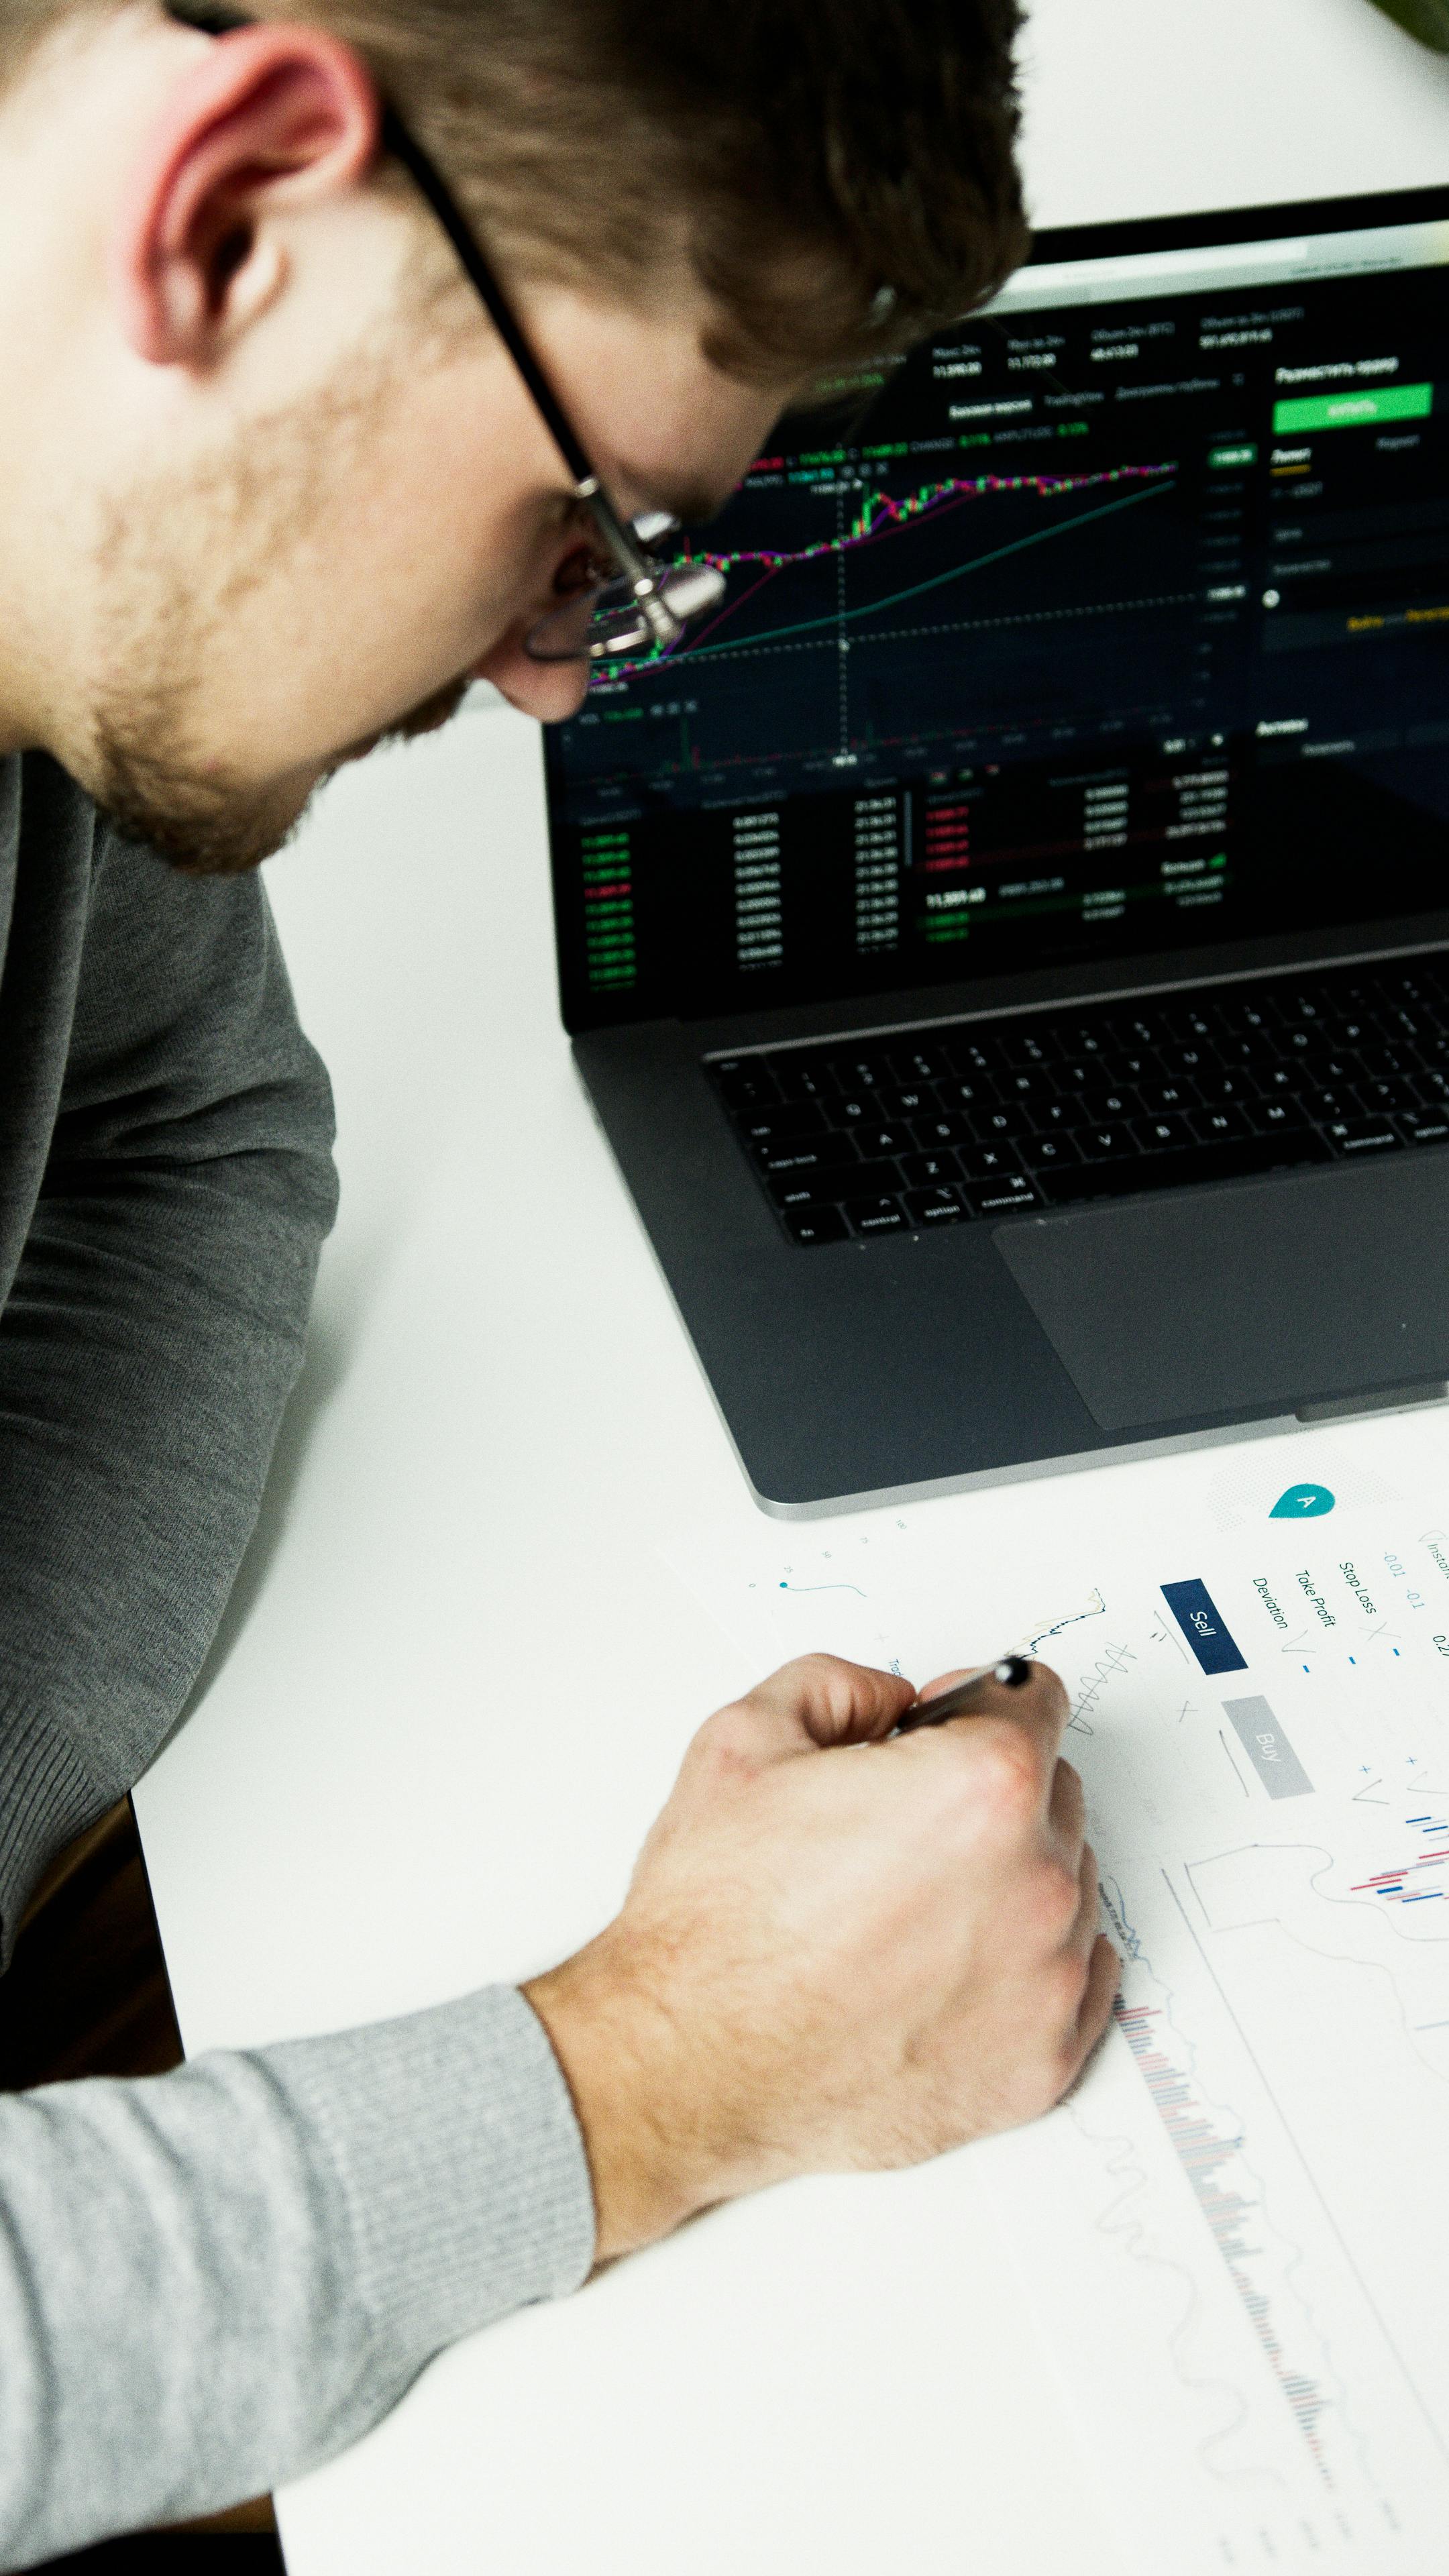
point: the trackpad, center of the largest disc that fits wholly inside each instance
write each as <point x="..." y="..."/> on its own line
<point x="1281" y="1292"/>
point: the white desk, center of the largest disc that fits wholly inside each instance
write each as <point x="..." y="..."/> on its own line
<point x="456" y="1679"/>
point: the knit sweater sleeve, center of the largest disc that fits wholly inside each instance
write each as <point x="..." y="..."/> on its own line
<point x="154" y="1324"/>
<point x="211" y="2280"/>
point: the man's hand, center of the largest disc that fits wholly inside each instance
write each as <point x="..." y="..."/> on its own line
<point x="836" y="1952"/>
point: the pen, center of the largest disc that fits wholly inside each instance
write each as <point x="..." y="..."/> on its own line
<point x="960" y="1700"/>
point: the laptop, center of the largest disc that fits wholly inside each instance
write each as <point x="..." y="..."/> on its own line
<point x="1007" y="947"/>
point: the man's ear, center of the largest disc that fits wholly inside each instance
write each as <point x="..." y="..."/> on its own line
<point x="270" y="117"/>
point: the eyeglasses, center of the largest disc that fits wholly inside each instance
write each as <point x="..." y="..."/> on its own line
<point x="618" y="597"/>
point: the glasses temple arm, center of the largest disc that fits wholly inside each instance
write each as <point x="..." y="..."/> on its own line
<point x="396" y="140"/>
<point x="430" y="184"/>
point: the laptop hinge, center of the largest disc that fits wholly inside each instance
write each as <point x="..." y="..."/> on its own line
<point x="1394" y="1400"/>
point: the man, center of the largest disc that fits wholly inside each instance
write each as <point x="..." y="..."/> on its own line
<point x="275" y="487"/>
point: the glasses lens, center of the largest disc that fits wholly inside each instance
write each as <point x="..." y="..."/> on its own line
<point x="613" y="618"/>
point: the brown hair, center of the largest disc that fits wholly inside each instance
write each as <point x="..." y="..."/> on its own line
<point x="838" y="173"/>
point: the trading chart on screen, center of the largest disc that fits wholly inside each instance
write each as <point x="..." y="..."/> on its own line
<point x="1115" y="618"/>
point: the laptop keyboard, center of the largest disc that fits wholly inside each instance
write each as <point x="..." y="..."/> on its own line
<point x="939" y="1126"/>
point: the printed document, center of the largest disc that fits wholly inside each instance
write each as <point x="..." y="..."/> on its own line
<point x="1235" y="2233"/>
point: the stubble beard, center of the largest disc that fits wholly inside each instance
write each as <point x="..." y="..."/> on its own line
<point x="173" y="568"/>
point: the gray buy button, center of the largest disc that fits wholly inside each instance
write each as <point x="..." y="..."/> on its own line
<point x="1268" y="1748"/>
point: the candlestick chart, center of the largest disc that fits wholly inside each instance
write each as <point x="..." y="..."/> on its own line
<point x="871" y="614"/>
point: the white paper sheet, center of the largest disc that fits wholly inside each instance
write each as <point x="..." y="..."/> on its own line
<point x="1236" y="2233"/>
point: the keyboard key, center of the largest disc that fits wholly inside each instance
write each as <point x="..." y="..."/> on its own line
<point x="1079" y="1073"/>
<point x="981" y="1165"/>
<point x="1332" y="1069"/>
<point x="1030" y="1083"/>
<point x="1023" y="1048"/>
<point x="1164" y="1135"/>
<point x="853" y="1073"/>
<point x="885" y="1140"/>
<point x="817" y="1225"/>
<point x="935" y="1207"/>
<point x="931" y="1171"/>
<point x="1129" y="1070"/>
<point x="1008" y="1120"/>
<point x="1162" y="1099"/>
<point x="875" y="1216"/>
<point x="802" y="1077"/>
<point x="1105" y="1144"/>
<point x="1363" y="1136"/>
<point x="1225" y="1083"/>
<point x="1218" y="1126"/>
<point x="931" y="1132"/>
<point x="917" y="1100"/>
<point x="1425" y="1129"/>
<point x="811" y="1189"/>
<point x="1275" y="1117"/>
<point x="999" y="1198"/>
<point x="1101" y="1108"/>
<point x="868" y="1180"/>
<point x="1341" y="1102"/>
<point x="745" y="1081"/>
<point x="917" y="1062"/>
<point x="1385" y="1061"/>
<point x="846" y="1181"/>
<point x="1055" y="1117"/>
<point x="809" y="1154"/>
<point x="1387" y="1098"/>
<point x="779" y="1125"/>
<point x="967" y="1056"/>
<point x="974" y="1092"/>
<point x="1044" y="1153"/>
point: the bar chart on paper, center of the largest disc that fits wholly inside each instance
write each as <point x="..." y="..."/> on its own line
<point x="1235" y="2233"/>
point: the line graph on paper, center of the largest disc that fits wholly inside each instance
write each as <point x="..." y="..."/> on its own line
<point x="1095" y="1609"/>
<point x="1188" y="2267"/>
<point x="844" y="1594"/>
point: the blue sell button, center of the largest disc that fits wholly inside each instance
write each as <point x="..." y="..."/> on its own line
<point x="1202" y="1624"/>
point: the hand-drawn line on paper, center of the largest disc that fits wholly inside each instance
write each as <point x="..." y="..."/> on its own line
<point x="1097" y="1611"/>
<point x="1090" y="1686"/>
<point x="824" y="1587"/>
<point x="1227" y="1748"/>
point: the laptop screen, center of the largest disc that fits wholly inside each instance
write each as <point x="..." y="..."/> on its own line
<point x="1118" y="621"/>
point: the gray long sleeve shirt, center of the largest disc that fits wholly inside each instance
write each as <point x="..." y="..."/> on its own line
<point x="211" y="2280"/>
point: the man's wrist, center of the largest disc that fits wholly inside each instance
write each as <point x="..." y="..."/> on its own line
<point x="620" y="2056"/>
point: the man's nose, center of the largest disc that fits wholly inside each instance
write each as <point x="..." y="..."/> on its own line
<point x="549" y="691"/>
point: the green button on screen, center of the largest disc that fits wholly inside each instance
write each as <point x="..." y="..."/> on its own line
<point x="1354" y="411"/>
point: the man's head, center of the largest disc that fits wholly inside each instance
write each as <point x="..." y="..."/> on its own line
<point x="275" y="486"/>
